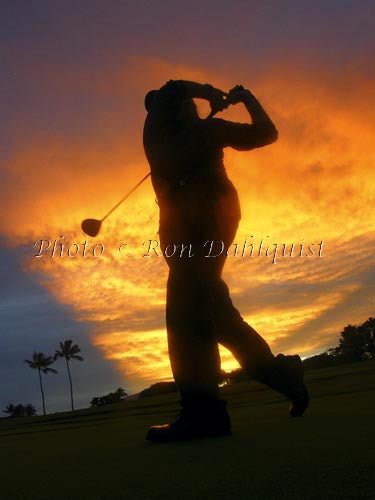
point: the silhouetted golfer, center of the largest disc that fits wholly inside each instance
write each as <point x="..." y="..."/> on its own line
<point x="198" y="203"/>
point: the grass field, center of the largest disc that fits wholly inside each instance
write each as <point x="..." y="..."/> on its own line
<point x="102" y="454"/>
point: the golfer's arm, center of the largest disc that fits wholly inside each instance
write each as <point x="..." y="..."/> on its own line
<point x="244" y="136"/>
<point x="184" y="89"/>
<point x="170" y="96"/>
<point x="196" y="90"/>
<point x="262" y="123"/>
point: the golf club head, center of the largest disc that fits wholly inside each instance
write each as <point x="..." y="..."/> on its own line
<point x="91" y="226"/>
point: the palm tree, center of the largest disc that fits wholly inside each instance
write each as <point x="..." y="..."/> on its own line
<point x="41" y="362"/>
<point x="10" y="409"/>
<point x="69" y="351"/>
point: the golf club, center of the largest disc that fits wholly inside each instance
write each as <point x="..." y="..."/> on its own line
<point x="92" y="226"/>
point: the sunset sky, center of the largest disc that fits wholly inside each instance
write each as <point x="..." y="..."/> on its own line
<point x="73" y="80"/>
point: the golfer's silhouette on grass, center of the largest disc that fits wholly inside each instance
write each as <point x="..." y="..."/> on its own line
<point x="198" y="203"/>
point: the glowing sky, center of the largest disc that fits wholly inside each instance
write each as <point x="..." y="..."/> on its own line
<point x="75" y="78"/>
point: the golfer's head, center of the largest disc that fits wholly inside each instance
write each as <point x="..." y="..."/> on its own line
<point x="150" y="96"/>
<point x="188" y="109"/>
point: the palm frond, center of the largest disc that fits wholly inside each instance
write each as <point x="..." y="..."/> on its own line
<point x="78" y="358"/>
<point x="40" y="361"/>
<point x="31" y="364"/>
<point x="49" y="370"/>
<point x="68" y="350"/>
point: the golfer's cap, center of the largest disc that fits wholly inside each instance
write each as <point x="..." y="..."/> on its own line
<point x="149" y="98"/>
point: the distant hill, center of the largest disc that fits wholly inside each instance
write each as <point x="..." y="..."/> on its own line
<point x="158" y="388"/>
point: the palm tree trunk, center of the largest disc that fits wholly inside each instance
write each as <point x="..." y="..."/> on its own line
<point x="71" y="385"/>
<point x="41" y="390"/>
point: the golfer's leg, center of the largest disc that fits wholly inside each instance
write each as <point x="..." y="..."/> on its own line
<point x="193" y="348"/>
<point x="282" y="373"/>
<point x="247" y="346"/>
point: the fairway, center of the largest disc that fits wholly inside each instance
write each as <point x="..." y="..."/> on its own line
<point x="101" y="454"/>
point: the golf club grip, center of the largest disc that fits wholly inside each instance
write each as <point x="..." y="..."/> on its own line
<point x="214" y="111"/>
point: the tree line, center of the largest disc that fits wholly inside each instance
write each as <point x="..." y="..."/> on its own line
<point x="113" y="397"/>
<point x="356" y="343"/>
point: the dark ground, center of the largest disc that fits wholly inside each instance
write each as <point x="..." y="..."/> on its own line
<point x="101" y="454"/>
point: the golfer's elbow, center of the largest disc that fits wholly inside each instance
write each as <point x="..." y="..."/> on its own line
<point x="268" y="134"/>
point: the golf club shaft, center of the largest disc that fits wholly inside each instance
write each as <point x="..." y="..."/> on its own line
<point x="126" y="196"/>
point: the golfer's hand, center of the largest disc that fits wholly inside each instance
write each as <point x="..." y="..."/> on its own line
<point x="217" y="100"/>
<point x="238" y="94"/>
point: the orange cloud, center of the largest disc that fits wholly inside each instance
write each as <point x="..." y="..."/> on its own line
<point x="316" y="183"/>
